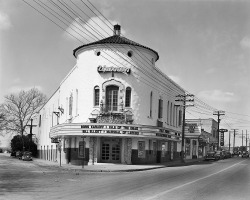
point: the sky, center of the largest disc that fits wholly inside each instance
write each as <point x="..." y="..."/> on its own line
<point x="204" y="46"/>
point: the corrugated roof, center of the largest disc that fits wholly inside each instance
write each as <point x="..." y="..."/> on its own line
<point x="115" y="39"/>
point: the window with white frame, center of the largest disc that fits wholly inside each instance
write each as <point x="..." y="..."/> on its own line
<point x="171" y="114"/>
<point x="112" y="97"/>
<point x="160" y="108"/>
<point x="151" y="104"/>
<point x="96" y="96"/>
<point x="128" y="97"/>
<point x="168" y="113"/>
<point x="70" y="104"/>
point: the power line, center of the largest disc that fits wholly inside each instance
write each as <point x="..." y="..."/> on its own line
<point x="170" y="90"/>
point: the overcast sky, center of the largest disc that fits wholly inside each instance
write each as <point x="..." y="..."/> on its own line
<point x="203" y="45"/>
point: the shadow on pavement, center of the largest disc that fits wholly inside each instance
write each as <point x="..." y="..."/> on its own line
<point x="192" y="163"/>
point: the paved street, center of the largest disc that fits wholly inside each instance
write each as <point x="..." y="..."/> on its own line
<point x="226" y="179"/>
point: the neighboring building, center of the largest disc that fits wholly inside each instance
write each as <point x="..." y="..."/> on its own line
<point x="200" y="136"/>
<point x="114" y="106"/>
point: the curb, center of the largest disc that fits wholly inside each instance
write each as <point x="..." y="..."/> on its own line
<point x="57" y="167"/>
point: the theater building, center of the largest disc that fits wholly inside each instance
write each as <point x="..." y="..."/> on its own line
<point x="114" y="106"/>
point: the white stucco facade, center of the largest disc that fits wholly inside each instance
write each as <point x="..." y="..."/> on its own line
<point x="114" y="96"/>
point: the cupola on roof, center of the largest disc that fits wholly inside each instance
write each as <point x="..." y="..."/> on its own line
<point x="115" y="39"/>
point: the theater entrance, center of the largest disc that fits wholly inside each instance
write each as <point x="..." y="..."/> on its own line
<point x="111" y="150"/>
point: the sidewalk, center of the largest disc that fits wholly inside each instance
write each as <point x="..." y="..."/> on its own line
<point x="110" y="167"/>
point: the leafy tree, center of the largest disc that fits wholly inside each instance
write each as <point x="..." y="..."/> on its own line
<point x="19" y="109"/>
<point x="17" y="144"/>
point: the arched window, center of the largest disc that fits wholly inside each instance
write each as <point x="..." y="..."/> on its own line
<point x="96" y="96"/>
<point x="171" y="113"/>
<point x="151" y="104"/>
<point x="160" y="107"/>
<point x="70" y="104"/>
<point x="128" y="97"/>
<point x="174" y="115"/>
<point x="168" y="113"/>
<point x="40" y="120"/>
<point x="112" y="97"/>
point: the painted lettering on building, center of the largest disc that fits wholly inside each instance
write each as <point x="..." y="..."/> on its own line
<point x="104" y="69"/>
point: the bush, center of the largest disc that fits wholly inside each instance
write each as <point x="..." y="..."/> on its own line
<point x="17" y="144"/>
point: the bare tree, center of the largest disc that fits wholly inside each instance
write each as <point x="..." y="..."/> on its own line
<point x="19" y="109"/>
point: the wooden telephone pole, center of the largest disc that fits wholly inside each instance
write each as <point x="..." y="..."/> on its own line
<point x="30" y="135"/>
<point x="218" y="113"/>
<point x="184" y="98"/>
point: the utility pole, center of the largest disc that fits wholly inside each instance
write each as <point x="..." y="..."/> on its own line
<point x="242" y="138"/>
<point x="229" y="140"/>
<point x="219" y="113"/>
<point x="246" y="140"/>
<point x="184" y="98"/>
<point x="30" y="135"/>
<point x="234" y="139"/>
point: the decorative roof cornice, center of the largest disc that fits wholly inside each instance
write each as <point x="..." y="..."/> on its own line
<point x="115" y="39"/>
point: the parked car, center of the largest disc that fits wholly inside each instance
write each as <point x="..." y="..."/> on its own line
<point x="13" y="153"/>
<point x="245" y="154"/>
<point x="1" y="150"/>
<point x="228" y="154"/>
<point x="220" y="155"/>
<point x="211" y="155"/>
<point x="27" y="155"/>
<point x="19" y="154"/>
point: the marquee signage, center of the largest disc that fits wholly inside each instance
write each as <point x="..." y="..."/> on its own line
<point x="104" y="69"/>
<point x="222" y="139"/>
<point x="109" y="129"/>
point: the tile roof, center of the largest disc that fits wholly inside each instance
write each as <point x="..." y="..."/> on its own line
<point x="115" y="39"/>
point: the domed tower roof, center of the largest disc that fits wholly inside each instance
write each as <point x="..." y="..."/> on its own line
<point x="115" y="39"/>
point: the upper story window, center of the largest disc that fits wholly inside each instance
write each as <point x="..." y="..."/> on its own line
<point x="70" y="104"/>
<point x="96" y="96"/>
<point x="40" y="120"/>
<point x="171" y="112"/>
<point x="180" y="117"/>
<point x="112" y="98"/>
<point x="214" y="133"/>
<point x="160" y="108"/>
<point x="128" y="97"/>
<point x="151" y="104"/>
<point x="168" y="113"/>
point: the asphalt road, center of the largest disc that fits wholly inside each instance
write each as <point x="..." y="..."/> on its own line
<point x="225" y="179"/>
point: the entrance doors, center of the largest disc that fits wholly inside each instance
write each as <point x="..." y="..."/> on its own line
<point x="111" y="150"/>
<point x="112" y="98"/>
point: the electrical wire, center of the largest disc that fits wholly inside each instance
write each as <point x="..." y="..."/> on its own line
<point x="199" y="104"/>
